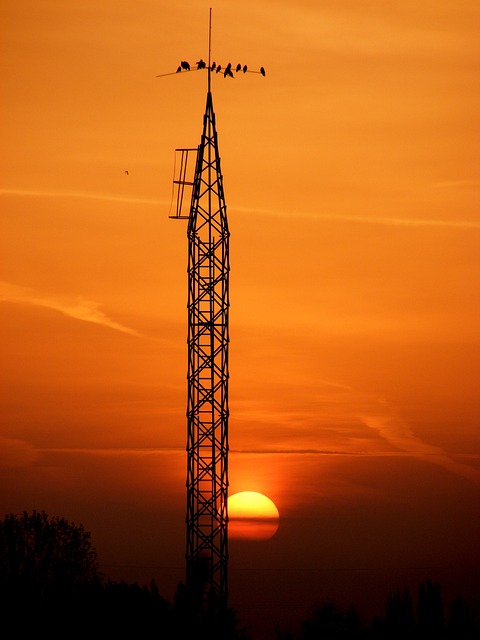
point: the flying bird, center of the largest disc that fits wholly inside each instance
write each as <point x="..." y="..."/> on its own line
<point x="262" y="71"/>
<point x="238" y="67"/>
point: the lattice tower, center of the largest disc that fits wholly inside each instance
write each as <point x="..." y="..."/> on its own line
<point x="207" y="403"/>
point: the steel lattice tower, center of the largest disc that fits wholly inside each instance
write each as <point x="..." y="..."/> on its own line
<point x="208" y="340"/>
<point x="207" y="403"/>
<point x="207" y="410"/>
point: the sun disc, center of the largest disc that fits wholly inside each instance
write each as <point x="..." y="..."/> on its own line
<point x="252" y="516"/>
<point x="250" y="504"/>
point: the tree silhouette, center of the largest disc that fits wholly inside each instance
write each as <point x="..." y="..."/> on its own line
<point x="211" y="623"/>
<point x="41" y="555"/>
<point x="329" y="621"/>
<point x="48" y="572"/>
<point x="50" y="581"/>
<point x="131" y="610"/>
<point x="464" y="622"/>
<point x="430" y="618"/>
<point x="399" y="615"/>
<point x="403" y="619"/>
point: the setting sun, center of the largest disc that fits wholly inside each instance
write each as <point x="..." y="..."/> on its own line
<point x="252" y="516"/>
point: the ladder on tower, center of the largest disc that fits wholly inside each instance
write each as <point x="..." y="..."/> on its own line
<point x="183" y="181"/>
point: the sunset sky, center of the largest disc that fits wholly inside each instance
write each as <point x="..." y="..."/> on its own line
<point x="351" y="175"/>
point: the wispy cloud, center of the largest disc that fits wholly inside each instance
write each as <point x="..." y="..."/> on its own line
<point x="79" y="308"/>
<point x="310" y="215"/>
<point x="106" y="452"/>
<point x="340" y="423"/>
<point x="32" y="193"/>
<point x="398" y="433"/>
<point x="17" y="453"/>
<point x="335" y="452"/>
<point x="366" y="219"/>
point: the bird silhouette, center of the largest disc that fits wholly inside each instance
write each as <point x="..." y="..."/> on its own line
<point x="245" y="68"/>
<point x="227" y="72"/>
<point x="218" y="69"/>
<point x="238" y="67"/>
<point x="201" y="64"/>
<point x="179" y="69"/>
<point x="262" y="71"/>
<point x="126" y="172"/>
<point x="184" y="64"/>
<point x="213" y="66"/>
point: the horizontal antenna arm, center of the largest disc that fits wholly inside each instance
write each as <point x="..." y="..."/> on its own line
<point x="174" y="73"/>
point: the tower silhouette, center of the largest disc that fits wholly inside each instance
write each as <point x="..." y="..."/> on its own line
<point x="207" y="409"/>
<point x="207" y="377"/>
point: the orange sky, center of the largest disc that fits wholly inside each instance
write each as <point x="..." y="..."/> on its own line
<point x="351" y="179"/>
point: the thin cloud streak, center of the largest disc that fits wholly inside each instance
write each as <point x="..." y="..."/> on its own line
<point x="108" y="452"/>
<point x="370" y="220"/>
<point x="28" y="193"/>
<point x="361" y="219"/>
<point x="150" y="451"/>
<point x="439" y="457"/>
<point x="356" y="454"/>
<point x="15" y="452"/>
<point x="399" y="434"/>
<point x="80" y="309"/>
<point x="394" y="438"/>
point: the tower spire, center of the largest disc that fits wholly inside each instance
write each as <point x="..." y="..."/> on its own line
<point x="209" y="68"/>
<point x="208" y="338"/>
<point x="208" y="374"/>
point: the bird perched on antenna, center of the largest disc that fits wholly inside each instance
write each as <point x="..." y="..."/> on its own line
<point x="227" y="71"/>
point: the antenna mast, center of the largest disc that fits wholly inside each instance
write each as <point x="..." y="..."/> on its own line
<point x="209" y="48"/>
<point x="207" y="376"/>
<point x="207" y="410"/>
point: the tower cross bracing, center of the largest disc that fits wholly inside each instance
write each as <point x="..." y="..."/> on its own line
<point x="207" y="405"/>
<point x="208" y="340"/>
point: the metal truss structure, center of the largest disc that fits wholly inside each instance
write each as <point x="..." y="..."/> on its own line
<point x="208" y="338"/>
